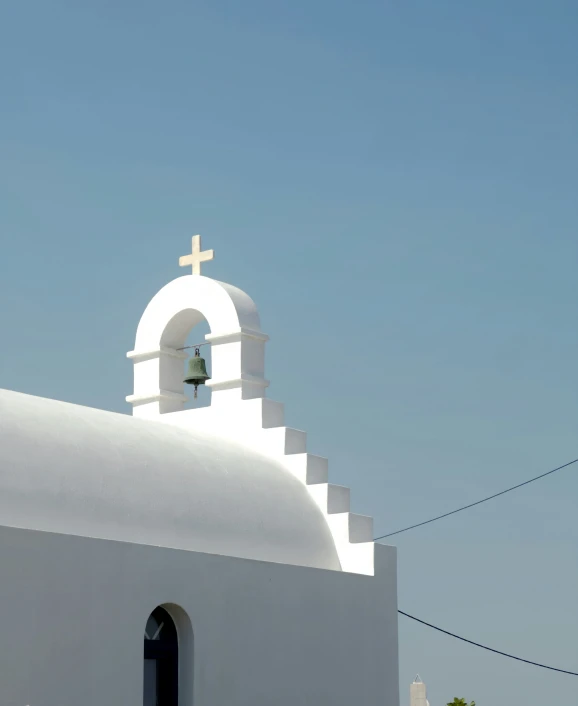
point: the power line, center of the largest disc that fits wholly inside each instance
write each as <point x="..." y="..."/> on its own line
<point x="479" y="502"/>
<point x="453" y="512"/>
<point x="490" y="649"/>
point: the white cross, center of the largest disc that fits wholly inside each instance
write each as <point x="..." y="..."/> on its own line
<point x="196" y="257"/>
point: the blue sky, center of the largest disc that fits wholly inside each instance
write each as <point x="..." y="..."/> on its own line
<point x="395" y="185"/>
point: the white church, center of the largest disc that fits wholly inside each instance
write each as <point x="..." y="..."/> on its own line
<point x="186" y="556"/>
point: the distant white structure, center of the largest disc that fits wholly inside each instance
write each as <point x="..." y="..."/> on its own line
<point x="418" y="693"/>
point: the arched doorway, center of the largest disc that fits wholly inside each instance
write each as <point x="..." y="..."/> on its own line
<point x="161" y="660"/>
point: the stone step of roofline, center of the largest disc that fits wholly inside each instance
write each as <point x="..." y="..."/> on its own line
<point x="330" y="498"/>
<point x="352" y="527"/>
<point x="357" y="558"/>
<point x="308" y="468"/>
<point x="284" y="441"/>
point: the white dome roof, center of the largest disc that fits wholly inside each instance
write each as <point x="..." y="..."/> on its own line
<point x="81" y="471"/>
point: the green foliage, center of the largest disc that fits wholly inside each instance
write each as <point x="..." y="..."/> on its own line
<point x="460" y="702"/>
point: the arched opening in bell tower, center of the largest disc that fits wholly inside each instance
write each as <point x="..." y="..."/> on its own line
<point x="186" y="333"/>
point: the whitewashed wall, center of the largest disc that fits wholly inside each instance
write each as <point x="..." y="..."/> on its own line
<point x="73" y="611"/>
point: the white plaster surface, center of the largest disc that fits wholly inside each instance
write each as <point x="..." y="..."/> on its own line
<point x="258" y="424"/>
<point x="238" y="345"/>
<point x="238" y="409"/>
<point x="279" y="594"/>
<point x="77" y="470"/>
<point x="251" y="633"/>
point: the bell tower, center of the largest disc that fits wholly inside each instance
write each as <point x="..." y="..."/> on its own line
<point x="238" y="345"/>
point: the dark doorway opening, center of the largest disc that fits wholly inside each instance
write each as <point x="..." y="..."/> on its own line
<point x="161" y="660"/>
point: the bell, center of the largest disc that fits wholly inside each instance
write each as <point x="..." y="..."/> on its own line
<point x="197" y="371"/>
